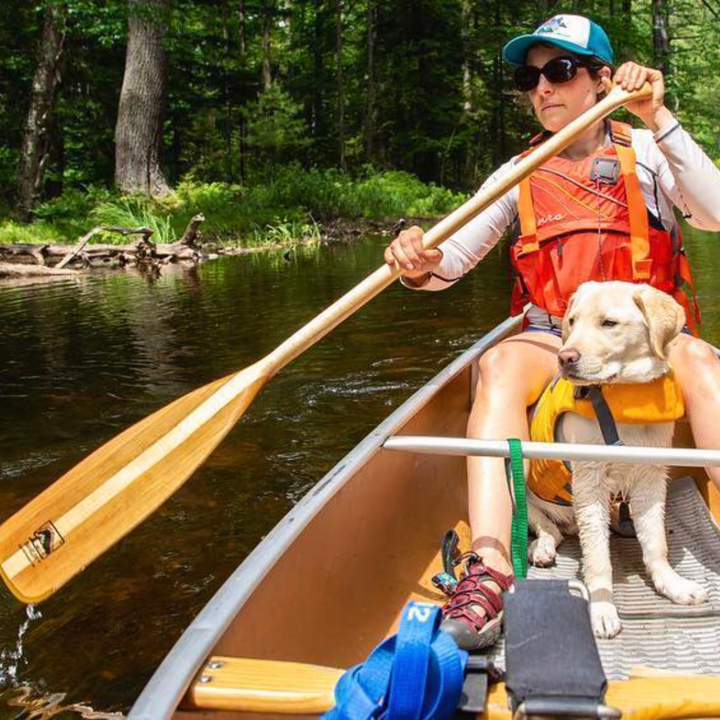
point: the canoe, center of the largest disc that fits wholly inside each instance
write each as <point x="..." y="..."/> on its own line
<point x="329" y="582"/>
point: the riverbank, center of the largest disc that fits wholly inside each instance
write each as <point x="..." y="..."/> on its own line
<point x="293" y="206"/>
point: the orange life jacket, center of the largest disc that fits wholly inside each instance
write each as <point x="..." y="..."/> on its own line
<point x="587" y="220"/>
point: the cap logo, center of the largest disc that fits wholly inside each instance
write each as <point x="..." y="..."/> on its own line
<point x="571" y="28"/>
<point x="551" y="26"/>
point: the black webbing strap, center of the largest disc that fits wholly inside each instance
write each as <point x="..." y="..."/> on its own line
<point x="552" y="662"/>
<point x="605" y="419"/>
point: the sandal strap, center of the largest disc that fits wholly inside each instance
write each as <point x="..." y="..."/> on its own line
<point x="480" y="594"/>
<point x="475" y="620"/>
<point x="504" y="581"/>
<point x="466" y="604"/>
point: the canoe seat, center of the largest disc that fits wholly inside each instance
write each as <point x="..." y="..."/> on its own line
<point x="249" y="685"/>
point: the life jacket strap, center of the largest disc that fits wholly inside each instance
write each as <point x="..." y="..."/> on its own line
<point x="608" y="426"/>
<point x="639" y="229"/>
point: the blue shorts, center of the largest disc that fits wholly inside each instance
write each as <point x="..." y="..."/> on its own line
<point x="552" y="329"/>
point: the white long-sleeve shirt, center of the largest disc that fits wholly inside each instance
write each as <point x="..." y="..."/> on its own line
<point x="673" y="171"/>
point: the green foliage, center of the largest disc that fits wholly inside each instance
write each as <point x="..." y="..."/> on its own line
<point x="274" y="129"/>
<point x="442" y="104"/>
<point x="13" y="232"/>
<point x="283" y="232"/>
<point x="282" y="211"/>
<point x="134" y="212"/>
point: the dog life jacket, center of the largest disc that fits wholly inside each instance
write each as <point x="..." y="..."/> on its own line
<point x="659" y="401"/>
<point x="587" y="220"/>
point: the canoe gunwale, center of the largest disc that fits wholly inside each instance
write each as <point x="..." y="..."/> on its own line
<point x="167" y="686"/>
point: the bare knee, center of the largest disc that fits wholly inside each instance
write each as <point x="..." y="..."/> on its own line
<point x="496" y="366"/>
<point x="512" y="372"/>
<point x="692" y="354"/>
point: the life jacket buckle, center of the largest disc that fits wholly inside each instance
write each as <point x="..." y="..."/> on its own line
<point x="605" y="171"/>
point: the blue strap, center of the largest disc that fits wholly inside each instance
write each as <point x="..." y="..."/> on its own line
<point x="415" y="675"/>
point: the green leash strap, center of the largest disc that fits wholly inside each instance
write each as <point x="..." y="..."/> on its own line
<point x="519" y="537"/>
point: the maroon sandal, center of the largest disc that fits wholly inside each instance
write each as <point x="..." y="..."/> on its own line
<point x="473" y="630"/>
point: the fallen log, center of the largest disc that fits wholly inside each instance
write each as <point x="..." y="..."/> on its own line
<point x="15" y="270"/>
<point x="190" y="235"/>
<point x="34" y="253"/>
<point x="146" y="232"/>
<point x="85" y="255"/>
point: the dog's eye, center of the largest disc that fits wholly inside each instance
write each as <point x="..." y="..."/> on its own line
<point x="571" y="322"/>
<point x="609" y="323"/>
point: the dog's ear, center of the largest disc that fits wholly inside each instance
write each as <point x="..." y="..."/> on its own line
<point x="566" y="317"/>
<point x="664" y="316"/>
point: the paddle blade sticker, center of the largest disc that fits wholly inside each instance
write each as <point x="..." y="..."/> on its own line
<point x="45" y="540"/>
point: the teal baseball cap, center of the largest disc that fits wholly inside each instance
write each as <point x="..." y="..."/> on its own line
<point x="575" y="33"/>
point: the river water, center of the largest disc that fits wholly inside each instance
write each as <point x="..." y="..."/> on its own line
<point x="81" y="359"/>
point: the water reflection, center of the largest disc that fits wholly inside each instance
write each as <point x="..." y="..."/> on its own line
<point x="81" y="359"/>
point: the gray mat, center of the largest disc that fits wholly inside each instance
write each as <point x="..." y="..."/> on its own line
<point x="656" y="632"/>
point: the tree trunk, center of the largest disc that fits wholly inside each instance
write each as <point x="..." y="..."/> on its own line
<point x="371" y="107"/>
<point x="266" y="73"/>
<point x="340" y="83"/>
<point x="466" y="55"/>
<point x="36" y="138"/>
<point x="242" y="42"/>
<point x="138" y="133"/>
<point x="318" y="66"/>
<point x="242" y="15"/>
<point x="661" y="36"/>
<point x="499" y="107"/>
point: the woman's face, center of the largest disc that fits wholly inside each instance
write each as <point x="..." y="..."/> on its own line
<point x="556" y="105"/>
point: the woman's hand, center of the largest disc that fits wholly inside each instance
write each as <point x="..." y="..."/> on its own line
<point x="631" y="76"/>
<point x="407" y="252"/>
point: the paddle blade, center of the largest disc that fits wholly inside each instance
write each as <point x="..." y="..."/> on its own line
<point x="92" y="506"/>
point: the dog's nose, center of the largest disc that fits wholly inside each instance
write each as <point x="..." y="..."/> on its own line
<point x="569" y="356"/>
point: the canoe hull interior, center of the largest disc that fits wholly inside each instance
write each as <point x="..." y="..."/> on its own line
<point x="332" y="578"/>
<point x="344" y="581"/>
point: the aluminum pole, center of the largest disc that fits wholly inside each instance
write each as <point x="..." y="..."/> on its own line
<point x="635" y="455"/>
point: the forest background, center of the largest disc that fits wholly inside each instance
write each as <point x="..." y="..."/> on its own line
<point x="271" y="116"/>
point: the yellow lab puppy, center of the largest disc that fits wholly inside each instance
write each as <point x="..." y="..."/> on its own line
<point x="613" y="333"/>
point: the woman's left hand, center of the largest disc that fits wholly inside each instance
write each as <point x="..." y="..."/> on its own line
<point x="631" y="76"/>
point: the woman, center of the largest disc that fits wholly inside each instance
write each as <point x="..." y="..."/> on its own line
<point x="564" y="67"/>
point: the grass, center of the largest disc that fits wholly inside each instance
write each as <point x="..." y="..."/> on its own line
<point x="289" y="208"/>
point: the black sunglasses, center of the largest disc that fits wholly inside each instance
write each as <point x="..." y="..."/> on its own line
<point x="557" y="70"/>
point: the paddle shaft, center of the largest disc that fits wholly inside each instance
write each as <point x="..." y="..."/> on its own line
<point x="341" y="309"/>
<point x="96" y="503"/>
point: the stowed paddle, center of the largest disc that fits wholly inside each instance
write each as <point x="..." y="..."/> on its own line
<point x="92" y="506"/>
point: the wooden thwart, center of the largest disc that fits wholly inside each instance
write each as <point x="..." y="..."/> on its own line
<point x="273" y="686"/>
<point x="267" y="686"/>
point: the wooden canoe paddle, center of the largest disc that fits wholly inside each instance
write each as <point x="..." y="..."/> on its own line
<point x="92" y="506"/>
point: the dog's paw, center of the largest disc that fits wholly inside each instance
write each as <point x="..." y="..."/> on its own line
<point x="605" y="619"/>
<point x="680" y="590"/>
<point x="542" y="551"/>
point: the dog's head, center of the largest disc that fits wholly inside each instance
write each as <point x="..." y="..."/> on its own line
<point x="618" y="332"/>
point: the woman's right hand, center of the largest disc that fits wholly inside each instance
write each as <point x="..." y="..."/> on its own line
<point x="406" y="252"/>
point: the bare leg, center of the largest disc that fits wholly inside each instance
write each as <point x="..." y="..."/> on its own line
<point x="698" y="370"/>
<point x="512" y="376"/>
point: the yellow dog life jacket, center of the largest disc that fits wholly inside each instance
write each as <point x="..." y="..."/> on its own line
<point x="658" y="401"/>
